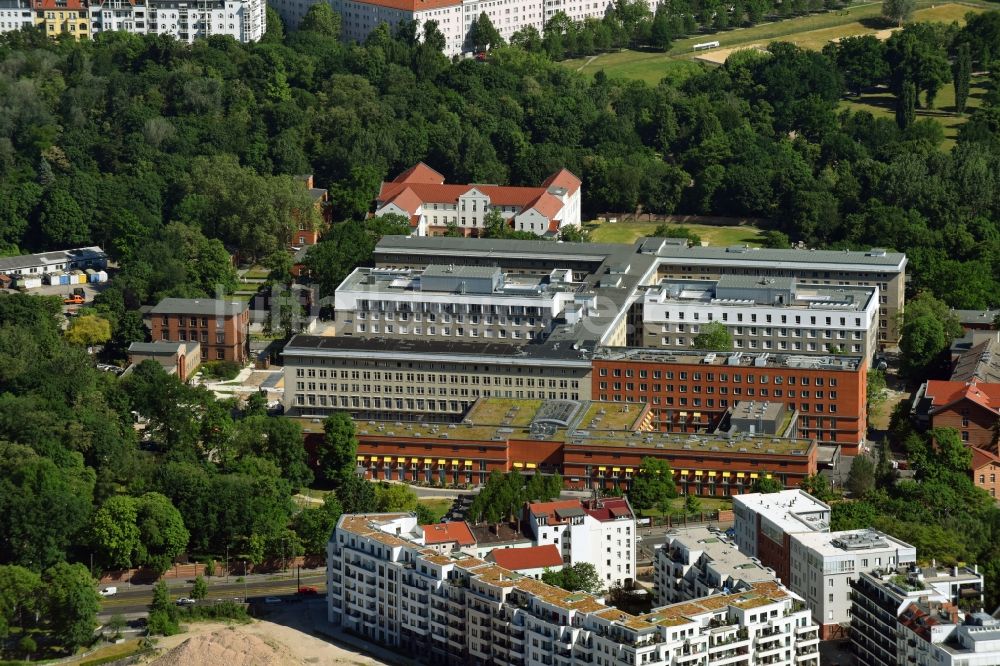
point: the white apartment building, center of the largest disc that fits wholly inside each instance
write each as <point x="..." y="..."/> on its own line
<point x="768" y="314"/>
<point x="443" y="302"/>
<point x="421" y="195"/>
<point x="775" y="516"/>
<point x="824" y="564"/>
<point x="697" y="562"/>
<point x="383" y="585"/>
<point x="243" y="20"/>
<point x="15" y="14"/>
<point x="898" y="618"/>
<point x="601" y="532"/>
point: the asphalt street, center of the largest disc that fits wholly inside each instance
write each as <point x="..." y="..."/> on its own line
<point x="136" y="599"/>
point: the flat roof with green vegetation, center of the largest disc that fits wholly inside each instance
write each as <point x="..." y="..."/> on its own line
<point x="494" y="411"/>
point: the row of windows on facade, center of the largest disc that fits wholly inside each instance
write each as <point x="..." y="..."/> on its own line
<point x="420" y="377"/>
<point x="193" y="336"/>
<point x="670" y="401"/>
<point x="796" y="274"/>
<point x="410" y="390"/>
<point x="459" y="319"/>
<point x="438" y="367"/>
<point x="766" y="344"/>
<point x="447" y="330"/>
<point x="791" y="380"/>
<point x="723" y="390"/>
<point x="783" y="319"/>
<point x="431" y="309"/>
<point x="767" y="332"/>
<point x="411" y="404"/>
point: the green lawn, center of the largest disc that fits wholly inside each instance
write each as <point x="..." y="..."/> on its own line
<point x="883" y="104"/>
<point x="628" y="232"/>
<point x="812" y="31"/>
<point x="438" y="507"/>
<point x="706" y="505"/>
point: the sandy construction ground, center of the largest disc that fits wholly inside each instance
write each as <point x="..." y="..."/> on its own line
<point x="260" y="643"/>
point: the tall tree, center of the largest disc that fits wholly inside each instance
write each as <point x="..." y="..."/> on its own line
<point x="906" y="104"/>
<point x="962" y="73"/>
<point x="321" y="19"/>
<point x="337" y="453"/>
<point x="483" y="35"/>
<point x="652" y="483"/>
<point x="861" y="478"/>
<point x="660" y="36"/>
<point x="898" y="10"/>
<point x="713" y="336"/>
<point x="72" y="604"/>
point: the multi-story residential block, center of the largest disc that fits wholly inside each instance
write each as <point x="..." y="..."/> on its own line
<point x="823" y="566"/>
<point x="384" y="585"/>
<point x="769" y="314"/>
<point x="16" y="14"/>
<point x="432" y="206"/>
<point x="62" y="17"/>
<point x="696" y="562"/>
<point x="532" y="561"/>
<point x="601" y="532"/>
<point x="591" y="444"/>
<point x="222" y="327"/>
<point x="444" y="302"/>
<point x="243" y="20"/>
<point x="881" y="623"/>
<point x="691" y="391"/>
<point x="938" y="634"/>
<point x="670" y="259"/>
<point x="765" y="522"/>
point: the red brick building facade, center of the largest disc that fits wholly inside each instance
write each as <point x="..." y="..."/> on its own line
<point x="222" y="328"/>
<point x="691" y="397"/>
<point x="986" y="470"/>
<point x="972" y="408"/>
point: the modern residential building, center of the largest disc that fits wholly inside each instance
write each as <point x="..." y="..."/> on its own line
<point x="591" y="444"/>
<point x="763" y="314"/>
<point x="432" y="206"/>
<point x="882" y="617"/>
<point x="824" y="564"/>
<point x="243" y="20"/>
<point x="672" y="259"/>
<point x="601" y="532"/>
<point x="444" y="302"/>
<point x="765" y="522"/>
<point x="694" y="563"/>
<point x="385" y="586"/>
<point x="177" y="358"/>
<point x="222" y="327"/>
<point x="691" y="391"/>
<point x="57" y="261"/>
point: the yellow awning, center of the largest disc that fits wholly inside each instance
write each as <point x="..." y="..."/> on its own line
<point x="767" y="476"/>
<point x="616" y="469"/>
<point x="414" y="460"/>
<point x="727" y="474"/>
<point x="442" y="461"/>
<point x="454" y="462"/>
<point x="468" y="462"/>
<point x="401" y="459"/>
<point x="740" y="475"/>
<point x="531" y="465"/>
<point x="360" y="458"/>
<point x="699" y="473"/>
<point x="386" y="458"/>
<point x="684" y="414"/>
<point x="753" y="475"/>
<point x="602" y="469"/>
<point x="518" y="464"/>
<point x="682" y="472"/>
<point x="697" y="415"/>
<point x="711" y="473"/>
<point x="428" y="460"/>
<point x="628" y="470"/>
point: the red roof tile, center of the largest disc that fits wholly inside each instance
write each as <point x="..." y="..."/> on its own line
<point x="563" y="178"/>
<point x="547" y="205"/>
<point x="457" y="532"/>
<point x="944" y="393"/>
<point x="536" y="557"/>
<point x="549" y="508"/>
<point x="609" y="509"/>
<point x="982" y="458"/>
<point x="421" y="173"/>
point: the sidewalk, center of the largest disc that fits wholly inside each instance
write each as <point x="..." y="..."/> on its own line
<point x="182" y="581"/>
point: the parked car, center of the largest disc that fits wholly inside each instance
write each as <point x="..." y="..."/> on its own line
<point x="109" y="592"/>
<point x="186" y="601"/>
<point x="308" y="589"/>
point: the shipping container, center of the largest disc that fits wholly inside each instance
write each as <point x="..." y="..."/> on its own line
<point x="64" y="279"/>
<point x="30" y="282"/>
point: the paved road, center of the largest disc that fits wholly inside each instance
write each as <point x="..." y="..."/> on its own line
<point x="136" y="599"/>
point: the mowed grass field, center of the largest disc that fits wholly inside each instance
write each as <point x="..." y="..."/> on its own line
<point x="628" y="232"/>
<point x="882" y="104"/>
<point x="813" y="32"/>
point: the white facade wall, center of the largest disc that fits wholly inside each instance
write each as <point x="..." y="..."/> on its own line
<point x="15" y="14"/>
<point x="390" y="590"/>
<point x="243" y="20"/>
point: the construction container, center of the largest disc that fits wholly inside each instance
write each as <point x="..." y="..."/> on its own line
<point x="101" y="276"/>
<point x="53" y="278"/>
<point x="29" y="282"/>
<point x="79" y="277"/>
<point x="64" y="279"/>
